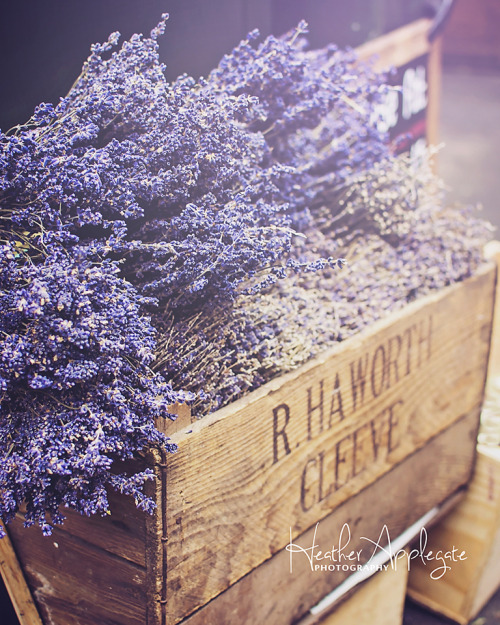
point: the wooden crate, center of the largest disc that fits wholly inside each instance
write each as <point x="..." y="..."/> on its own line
<point x="228" y="502"/>
<point x="376" y="432"/>
<point x="472" y="527"/>
<point x="380" y="601"/>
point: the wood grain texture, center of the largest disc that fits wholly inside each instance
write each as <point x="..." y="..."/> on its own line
<point x="298" y="448"/>
<point x="157" y="544"/>
<point x="273" y="595"/>
<point x="16" y="585"/>
<point x="122" y="533"/>
<point x="380" y="601"/>
<point x="91" y="570"/>
<point x="325" y="441"/>
<point x="74" y="582"/>
<point x="492" y="252"/>
<point x="489" y="578"/>
<point x="473" y="526"/>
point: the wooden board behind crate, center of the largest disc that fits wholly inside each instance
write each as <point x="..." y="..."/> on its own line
<point x="380" y="601"/>
<point x="285" y="456"/>
<point x="473" y="526"/>
<point x="402" y="47"/>
<point x="472" y="33"/>
<point x="398" y="47"/>
<point x="15" y="582"/>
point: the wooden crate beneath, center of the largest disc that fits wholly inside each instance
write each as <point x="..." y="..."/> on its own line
<point x="295" y="450"/>
<point x="473" y="527"/>
<point x="319" y="444"/>
<point x="380" y="601"/>
<point x="377" y="431"/>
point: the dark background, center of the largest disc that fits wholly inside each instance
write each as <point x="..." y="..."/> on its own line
<point x="43" y="43"/>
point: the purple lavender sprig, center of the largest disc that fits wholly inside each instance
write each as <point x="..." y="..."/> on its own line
<point x="77" y="391"/>
<point x="317" y="114"/>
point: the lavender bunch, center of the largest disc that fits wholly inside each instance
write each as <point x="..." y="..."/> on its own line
<point x="198" y="186"/>
<point x="130" y="187"/>
<point x="229" y="354"/>
<point x="154" y="173"/>
<point x="317" y="113"/>
<point x="168" y="170"/>
<point x="76" y="388"/>
<point x="169" y="242"/>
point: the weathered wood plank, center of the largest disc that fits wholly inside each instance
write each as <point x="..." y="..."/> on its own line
<point x="284" y="457"/>
<point x="492" y="252"/>
<point x="157" y="543"/>
<point x="473" y="526"/>
<point x="379" y="601"/>
<point x="75" y="583"/>
<point x="122" y="533"/>
<point x="299" y="447"/>
<point x="397" y="499"/>
<point x="16" y="585"/>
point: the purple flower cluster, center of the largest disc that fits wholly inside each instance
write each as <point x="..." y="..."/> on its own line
<point x="317" y="114"/>
<point x="150" y="250"/>
<point x="77" y="391"/>
<point x="228" y="353"/>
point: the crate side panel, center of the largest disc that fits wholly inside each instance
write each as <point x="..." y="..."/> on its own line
<point x="74" y="582"/>
<point x="292" y="452"/>
<point x="287" y="588"/>
<point x="76" y="574"/>
<point x="122" y="533"/>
